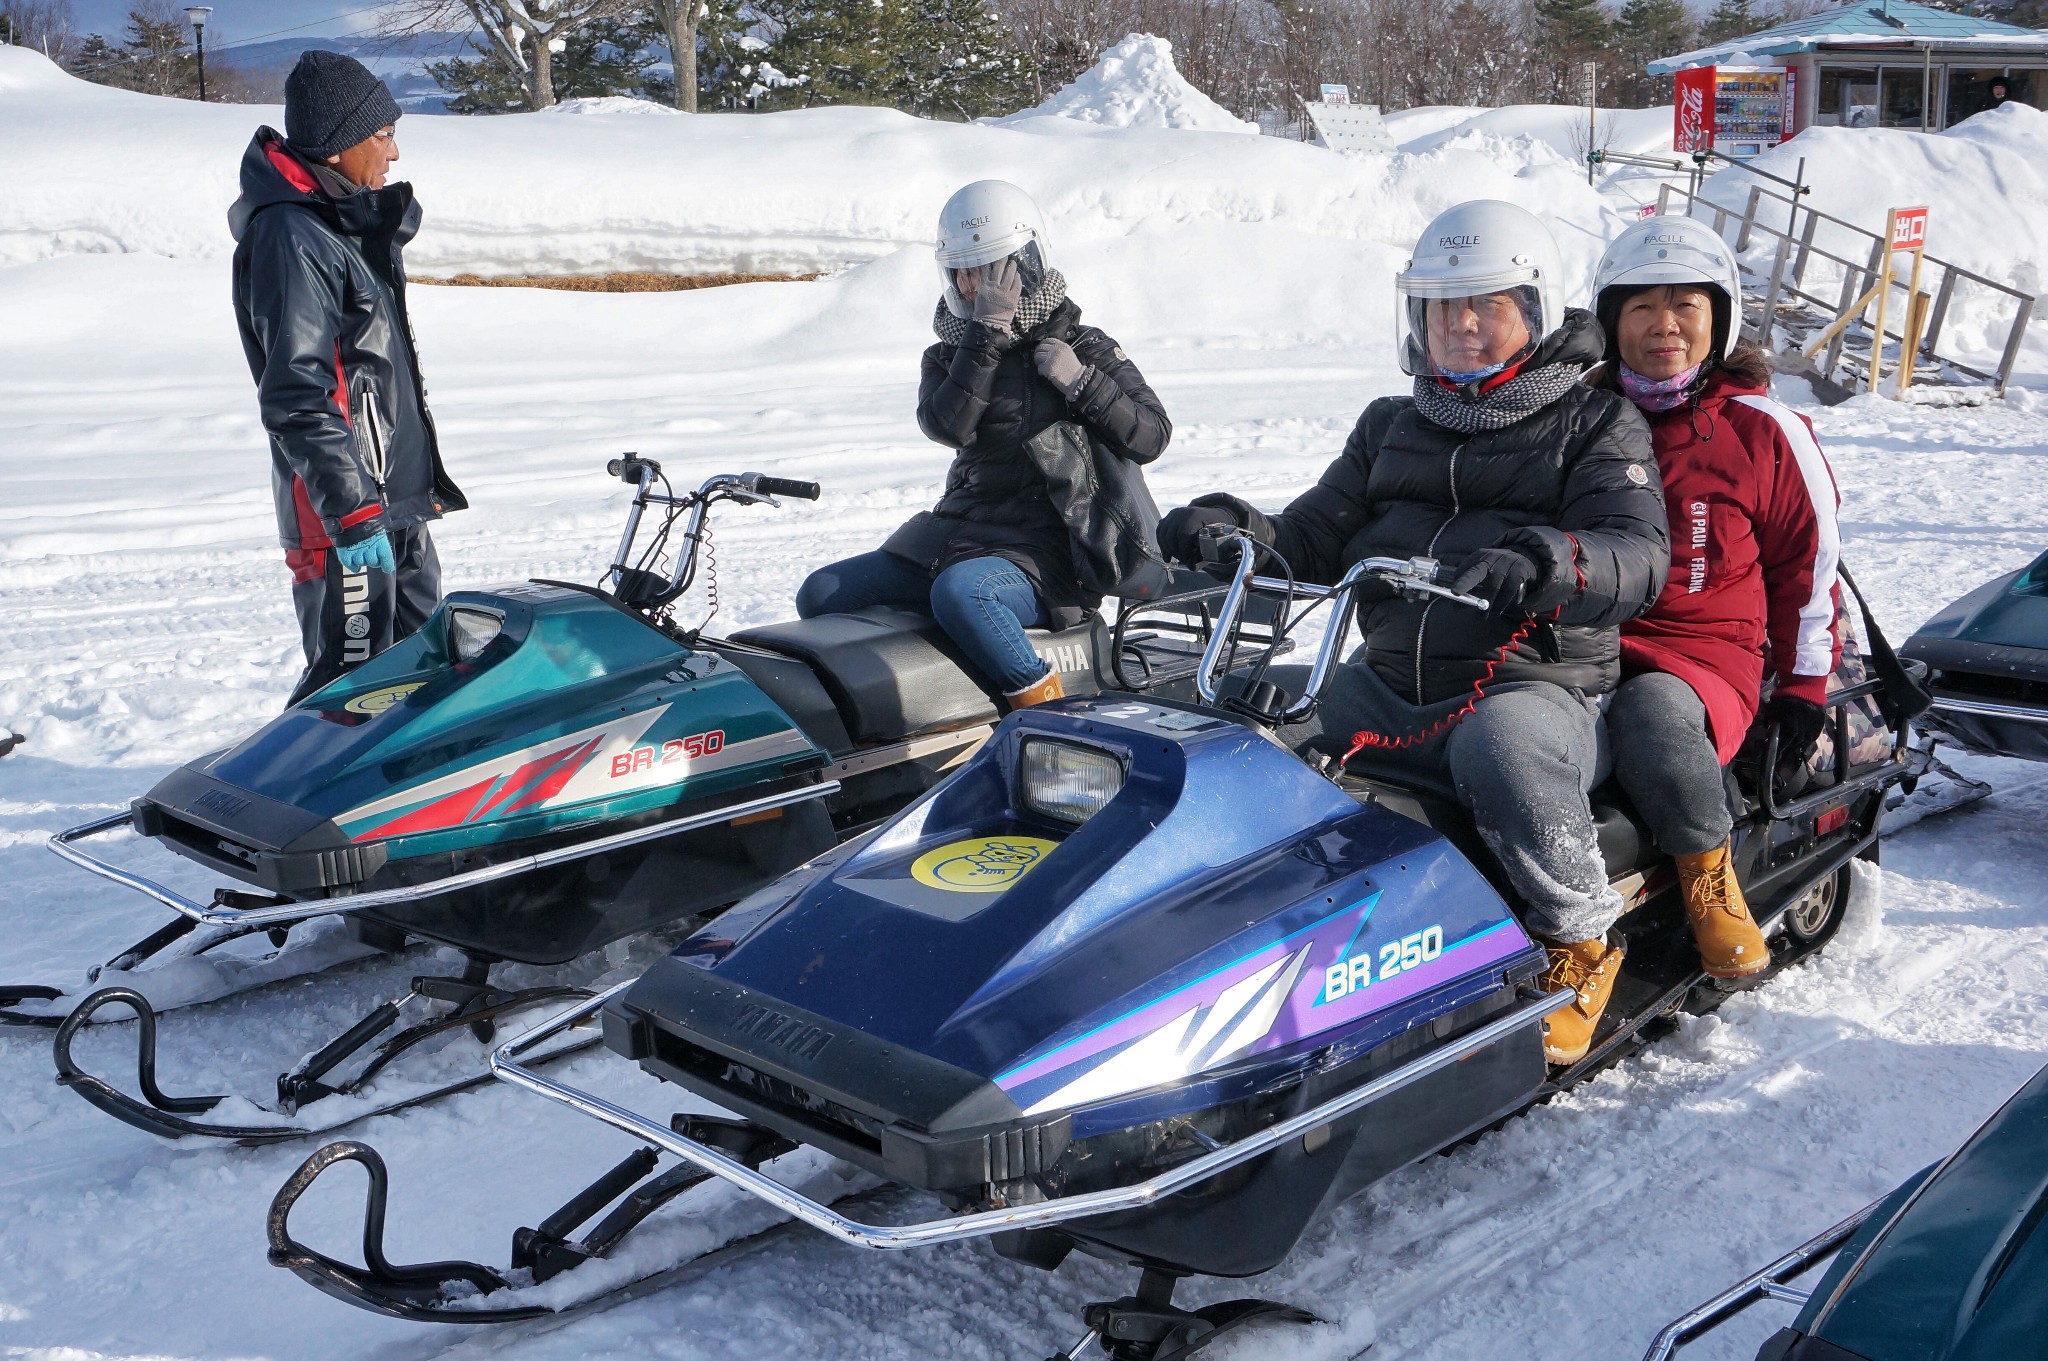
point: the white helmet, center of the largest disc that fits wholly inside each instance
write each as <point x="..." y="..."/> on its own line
<point x="984" y="222"/>
<point x="1670" y="250"/>
<point x="1475" y="249"/>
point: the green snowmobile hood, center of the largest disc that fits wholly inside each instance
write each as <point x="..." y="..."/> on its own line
<point x="2011" y="611"/>
<point x="576" y="710"/>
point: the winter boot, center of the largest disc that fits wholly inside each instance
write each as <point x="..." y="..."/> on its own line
<point x="1041" y="691"/>
<point x="1589" y="968"/>
<point x="1730" y="944"/>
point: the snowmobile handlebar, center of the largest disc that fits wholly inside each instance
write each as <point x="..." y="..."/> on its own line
<point x="1412" y="577"/>
<point x="647" y="588"/>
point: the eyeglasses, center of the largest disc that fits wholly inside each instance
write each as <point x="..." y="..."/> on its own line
<point x="386" y="134"/>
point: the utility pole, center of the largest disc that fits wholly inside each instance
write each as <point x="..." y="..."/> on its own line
<point x="1591" y="72"/>
<point x="197" y="14"/>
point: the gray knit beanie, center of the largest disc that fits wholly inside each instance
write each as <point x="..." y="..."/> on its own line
<point x="331" y="102"/>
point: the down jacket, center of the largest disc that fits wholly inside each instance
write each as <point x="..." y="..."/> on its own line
<point x="1580" y="471"/>
<point x="1754" y="548"/>
<point x="319" y="290"/>
<point x="985" y="398"/>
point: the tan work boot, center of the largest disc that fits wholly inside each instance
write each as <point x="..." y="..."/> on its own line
<point x="1730" y="944"/>
<point x="1589" y="968"/>
<point x="1041" y="691"/>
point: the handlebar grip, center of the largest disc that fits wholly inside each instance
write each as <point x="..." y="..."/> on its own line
<point x="630" y="467"/>
<point x="785" y="486"/>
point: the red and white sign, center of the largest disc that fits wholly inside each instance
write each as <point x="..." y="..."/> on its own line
<point x="1909" y="229"/>
<point x="1693" y="128"/>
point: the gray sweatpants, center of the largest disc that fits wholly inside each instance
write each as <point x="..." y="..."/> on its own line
<point x="1523" y="762"/>
<point x="1666" y="761"/>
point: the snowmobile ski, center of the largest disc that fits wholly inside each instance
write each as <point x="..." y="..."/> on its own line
<point x="476" y="1007"/>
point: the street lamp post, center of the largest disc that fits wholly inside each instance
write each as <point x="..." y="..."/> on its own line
<point x="197" y="14"/>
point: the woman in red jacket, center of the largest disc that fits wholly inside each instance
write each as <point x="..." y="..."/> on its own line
<point x="1754" y="544"/>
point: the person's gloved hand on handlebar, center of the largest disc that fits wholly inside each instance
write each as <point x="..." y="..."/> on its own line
<point x="1180" y="529"/>
<point x="1515" y="577"/>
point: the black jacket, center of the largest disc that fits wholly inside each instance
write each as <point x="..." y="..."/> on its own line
<point x="319" y="289"/>
<point x="985" y="399"/>
<point x="1581" y="470"/>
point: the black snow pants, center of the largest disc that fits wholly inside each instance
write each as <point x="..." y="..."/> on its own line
<point x="346" y="618"/>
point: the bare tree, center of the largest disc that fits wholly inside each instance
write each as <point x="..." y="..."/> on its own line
<point x="45" y="25"/>
<point x="678" y="22"/>
<point x="524" y="34"/>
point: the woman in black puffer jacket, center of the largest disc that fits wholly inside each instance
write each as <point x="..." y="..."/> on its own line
<point x="1543" y="495"/>
<point x="996" y="555"/>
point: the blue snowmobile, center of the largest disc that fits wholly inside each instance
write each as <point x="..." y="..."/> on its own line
<point x="541" y="770"/>
<point x="1136" y="980"/>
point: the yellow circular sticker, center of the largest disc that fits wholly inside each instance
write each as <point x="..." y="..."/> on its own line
<point x="377" y="701"/>
<point x="987" y="864"/>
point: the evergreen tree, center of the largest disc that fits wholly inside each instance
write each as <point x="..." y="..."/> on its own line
<point x="155" y="57"/>
<point x="1645" y="31"/>
<point x="945" y="58"/>
<point x="604" y="57"/>
<point x="1568" y="34"/>
<point x="1732" y="19"/>
<point x="484" y="83"/>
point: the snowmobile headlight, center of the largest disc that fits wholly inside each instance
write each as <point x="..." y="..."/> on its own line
<point x="471" y="631"/>
<point x="1069" y="782"/>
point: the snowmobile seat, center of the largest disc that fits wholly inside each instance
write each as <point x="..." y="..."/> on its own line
<point x="894" y="673"/>
<point x="1625" y="844"/>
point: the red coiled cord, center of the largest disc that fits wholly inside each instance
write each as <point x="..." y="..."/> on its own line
<point x="1382" y="742"/>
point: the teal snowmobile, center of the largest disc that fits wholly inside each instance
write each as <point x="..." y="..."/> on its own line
<point x="1951" y="1265"/>
<point x="1138" y="981"/>
<point x="542" y="770"/>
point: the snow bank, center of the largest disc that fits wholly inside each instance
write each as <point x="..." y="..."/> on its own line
<point x="610" y="104"/>
<point x="1985" y="181"/>
<point x="1561" y="127"/>
<point x="1136" y="85"/>
<point x="803" y="191"/>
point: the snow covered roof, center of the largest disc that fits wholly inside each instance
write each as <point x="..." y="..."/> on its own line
<point x="1865" y="23"/>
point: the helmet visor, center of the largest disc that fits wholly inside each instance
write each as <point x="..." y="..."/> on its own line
<point x="1470" y="338"/>
<point x="1030" y="269"/>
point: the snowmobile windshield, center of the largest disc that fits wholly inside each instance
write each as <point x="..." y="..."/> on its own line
<point x="1030" y="265"/>
<point x="1469" y="338"/>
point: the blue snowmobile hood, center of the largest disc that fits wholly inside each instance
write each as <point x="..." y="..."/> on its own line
<point x="1228" y="918"/>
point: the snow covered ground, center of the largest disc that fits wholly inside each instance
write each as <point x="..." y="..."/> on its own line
<point x="146" y="621"/>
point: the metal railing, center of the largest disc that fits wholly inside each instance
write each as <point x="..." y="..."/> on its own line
<point x="1799" y="247"/>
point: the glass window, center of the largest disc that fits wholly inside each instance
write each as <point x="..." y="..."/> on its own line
<point x="1847" y="97"/>
<point x="1973" y="89"/>
<point x="1901" y="97"/>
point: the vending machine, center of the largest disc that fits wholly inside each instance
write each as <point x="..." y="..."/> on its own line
<point x="1735" y="110"/>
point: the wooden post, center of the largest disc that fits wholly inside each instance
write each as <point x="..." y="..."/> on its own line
<point x="1884" y="296"/>
<point x="1916" y="316"/>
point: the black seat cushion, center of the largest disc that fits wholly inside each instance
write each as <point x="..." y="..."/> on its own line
<point x="1625" y="844"/>
<point x="894" y="673"/>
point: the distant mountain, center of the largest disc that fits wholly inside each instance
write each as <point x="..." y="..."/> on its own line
<point x="400" y="62"/>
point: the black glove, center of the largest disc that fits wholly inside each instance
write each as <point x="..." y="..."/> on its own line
<point x="1180" y="531"/>
<point x="1503" y="577"/>
<point x="1799" y="722"/>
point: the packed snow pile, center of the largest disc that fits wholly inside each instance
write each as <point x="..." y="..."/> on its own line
<point x="612" y="104"/>
<point x="1985" y="182"/>
<point x="815" y="190"/>
<point x="1136" y="85"/>
<point x="1561" y="127"/>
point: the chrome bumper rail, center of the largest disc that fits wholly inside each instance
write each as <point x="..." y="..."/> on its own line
<point x="1978" y="708"/>
<point x="895" y="1237"/>
<point x="215" y="914"/>
<point x="1768" y="1284"/>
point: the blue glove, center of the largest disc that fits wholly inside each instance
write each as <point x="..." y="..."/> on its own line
<point x="372" y="553"/>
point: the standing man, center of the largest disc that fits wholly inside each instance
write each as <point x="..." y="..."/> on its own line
<point x="319" y="288"/>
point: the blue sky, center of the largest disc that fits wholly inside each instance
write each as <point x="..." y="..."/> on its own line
<point x="243" y="20"/>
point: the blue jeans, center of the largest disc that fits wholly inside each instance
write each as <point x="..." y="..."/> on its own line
<point x="983" y="604"/>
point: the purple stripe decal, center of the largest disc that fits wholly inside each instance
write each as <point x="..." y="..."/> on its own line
<point x="1304" y="1013"/>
